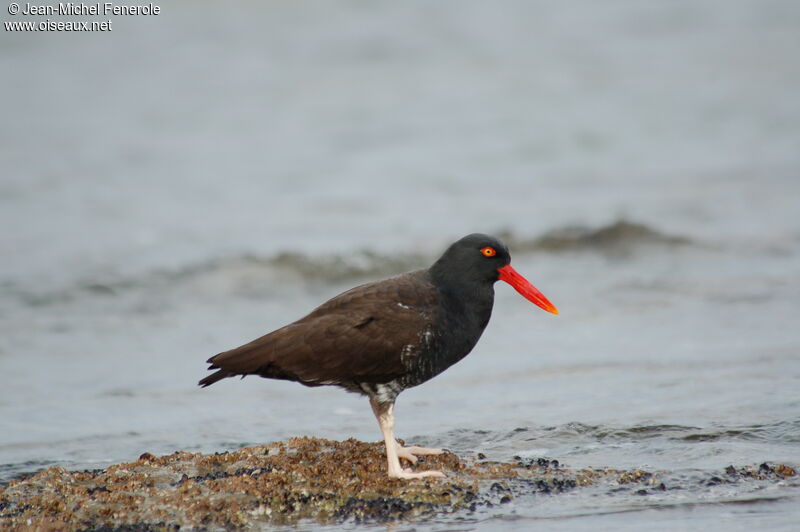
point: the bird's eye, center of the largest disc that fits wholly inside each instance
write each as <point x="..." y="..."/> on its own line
<point x="488" y="251"/>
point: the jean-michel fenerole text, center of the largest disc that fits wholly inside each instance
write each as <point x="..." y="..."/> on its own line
<point x="99" y="8"/>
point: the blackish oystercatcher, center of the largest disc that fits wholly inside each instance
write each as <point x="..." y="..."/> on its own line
<point x="380" y="338"/>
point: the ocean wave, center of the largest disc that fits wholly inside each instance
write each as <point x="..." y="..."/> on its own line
<point x="620" y="237"/>
<point x="781" y="432"/>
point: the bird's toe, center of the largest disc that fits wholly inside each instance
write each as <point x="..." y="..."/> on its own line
<point x="422" y="451"/>
<point x="407" y="474"/>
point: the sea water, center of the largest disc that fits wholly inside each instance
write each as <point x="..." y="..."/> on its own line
<point x="195" y="179"/>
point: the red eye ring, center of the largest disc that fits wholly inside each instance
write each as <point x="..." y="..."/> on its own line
<point x="489" y="251"/>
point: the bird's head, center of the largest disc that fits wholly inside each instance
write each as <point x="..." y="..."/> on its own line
<point x="479" y="258"/>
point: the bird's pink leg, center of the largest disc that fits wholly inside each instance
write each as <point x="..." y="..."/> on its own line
<point x="383" y="412"/>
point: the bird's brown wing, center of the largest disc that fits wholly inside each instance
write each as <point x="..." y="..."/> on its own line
<point x="358" y="336"/>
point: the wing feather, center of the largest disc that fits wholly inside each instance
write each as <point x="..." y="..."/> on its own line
<point x="358" y="336"/>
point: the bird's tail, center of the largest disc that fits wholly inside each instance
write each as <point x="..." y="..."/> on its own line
<point x="214" y="377"/>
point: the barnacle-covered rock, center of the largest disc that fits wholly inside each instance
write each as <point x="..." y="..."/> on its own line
<point x="301" y="478"/>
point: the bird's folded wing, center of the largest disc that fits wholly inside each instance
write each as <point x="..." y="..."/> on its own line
<point x="358" y="336"/>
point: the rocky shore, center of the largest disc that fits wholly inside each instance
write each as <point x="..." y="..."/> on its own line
<point x="302" y="479"/>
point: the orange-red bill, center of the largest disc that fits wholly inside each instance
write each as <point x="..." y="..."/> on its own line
<point x="526" y="289"/>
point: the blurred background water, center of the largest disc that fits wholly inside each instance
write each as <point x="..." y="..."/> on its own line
<point x="192" y="180"/>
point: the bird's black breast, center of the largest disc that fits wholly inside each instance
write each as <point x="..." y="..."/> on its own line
<point x="460" y="322"/>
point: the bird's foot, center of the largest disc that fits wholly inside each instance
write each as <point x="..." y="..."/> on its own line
<point x="407" y="474"/>
<point x="411" y="453"/>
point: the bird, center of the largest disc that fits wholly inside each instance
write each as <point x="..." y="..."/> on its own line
<point x="386" y="336"/>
